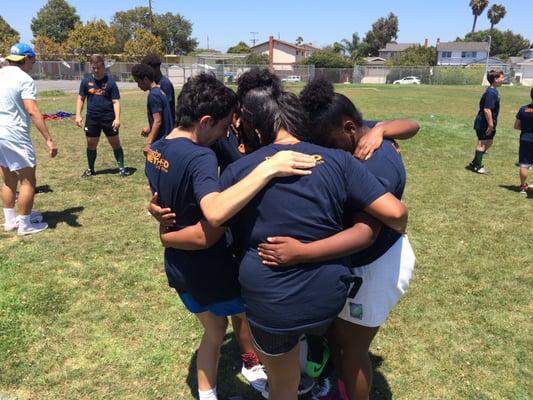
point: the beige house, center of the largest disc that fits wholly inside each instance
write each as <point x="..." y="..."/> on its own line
<point x="283" y="55"/>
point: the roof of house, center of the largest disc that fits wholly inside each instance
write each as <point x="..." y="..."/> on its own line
<point x="309" y="46"/>
<point x="529" y="49"/>
<point x="306" y="46"/>
<point x="398" y="46"/>
<point x="492" y="61"/>
<point x="462" y="46"/>
<point x="374" y="60"/>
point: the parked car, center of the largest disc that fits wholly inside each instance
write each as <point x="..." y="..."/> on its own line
<point x="407" y="80"/>
<point x="292" y="79"/>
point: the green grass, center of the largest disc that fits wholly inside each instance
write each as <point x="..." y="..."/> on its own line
<point x="51" y="93"/>
<point x="86" y="313"/>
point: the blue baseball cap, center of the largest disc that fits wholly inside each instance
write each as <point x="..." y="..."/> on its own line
<point x="19" y="51"/>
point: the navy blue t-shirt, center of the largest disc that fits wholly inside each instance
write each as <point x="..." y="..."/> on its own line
<point x="226" y="149"/>
<point x="100" y="95"/>
<point x="158" y="103"/>
<point x="182" y="173"/>
<point x="307" y="208"/>
<point x="168" y="88"/>
<point x="525" y="115"/>
<point x="490" y="100"/>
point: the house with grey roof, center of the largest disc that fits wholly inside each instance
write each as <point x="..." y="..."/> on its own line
<point x="461" y="53"/>
<point x="392" y="50"/>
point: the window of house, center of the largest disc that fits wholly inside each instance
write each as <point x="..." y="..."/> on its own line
<point x="469" y="54"/>
<point x="446" y="54"/>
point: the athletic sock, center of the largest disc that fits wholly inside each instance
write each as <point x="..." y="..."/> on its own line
<point x="208" y="394"/>
<point x="91" y="158"/>
<point x="119" y="156"/>
<point x="9" y="216"/>
<point x="24" y="221"/>
<point x="478" y="159"/>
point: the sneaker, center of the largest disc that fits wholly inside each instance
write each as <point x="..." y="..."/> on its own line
<point x="32" y="228"/>
<point x="255" y="376"/>
<point x="523" y="188"/>
<point x="9" y="227"/>
<point x="35" y="217"/>
<point x="306" y="385"/>
<point x="88" y="173"/>
<point x="322" y="389"/>
<point x="123" y="173"/>
<point x="481" y="171"/>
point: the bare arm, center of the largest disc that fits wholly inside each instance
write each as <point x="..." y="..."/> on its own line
<point x="116" y="108"/>
<point x="518" y="124"/>
<point x="389" y="210"/>
<point x="155" y="128"/>
<point x="196" y="237"/>
<point x="37" y="118"/>
<point x="218" y="207"/>
<point x="80" y="100"/>
<point x="394" y="129"/>
<point x="285" y="251"/>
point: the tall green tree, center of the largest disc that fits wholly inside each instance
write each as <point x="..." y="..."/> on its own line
<point x="503" y="44"/>
<point x="496" y="14"/>
<point x="477" y="6"/>
<point x="55" y="20"/>
<point x="175" y="33"/>
<point x="351" y="46"/>
<point x="125" y="23"/>
<point x="95" y="37"/>
<point x="299" y="40"/>
<point x="327" y="58"/>
<point x="383" y="31"/>
<point x="142" y="43"/>
<point x="239" y="48"/>
<point x="8" y="36"/>
<point x="48" y="49"/>
<point x="415" y="55"/>
<point x="256" y="59"/>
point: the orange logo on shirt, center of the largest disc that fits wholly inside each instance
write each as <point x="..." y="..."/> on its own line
<point x="527" y="109"/>
<point x="154" y="157"/>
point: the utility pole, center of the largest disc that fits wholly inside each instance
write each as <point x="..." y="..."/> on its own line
<point x="150" y="15"/>
<point x="253" y="39"/>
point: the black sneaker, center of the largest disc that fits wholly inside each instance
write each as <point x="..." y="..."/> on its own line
<point x="123" y="173"/>
<point x="88" y="173"/>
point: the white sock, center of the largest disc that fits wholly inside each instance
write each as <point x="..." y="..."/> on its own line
<point x="208" y="394"/>
<point x="9" y="216"/>
<point x="25" y="222"/>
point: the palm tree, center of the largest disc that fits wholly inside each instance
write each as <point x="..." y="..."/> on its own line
<point x="351" y="46"/>
<point x="496" y="14"/>
<point x="299" y="40"/>
<point x="477" y="6"/>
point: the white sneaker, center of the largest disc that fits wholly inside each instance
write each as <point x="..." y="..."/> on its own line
<point x="9" y="227"/>
<point x="35" y="217"/>
<point x="255" y="376"/>
<point x="482" y="171"/>
<point x="32" y="228"/>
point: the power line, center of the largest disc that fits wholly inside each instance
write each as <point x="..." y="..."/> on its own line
<point x="253" y="39"/>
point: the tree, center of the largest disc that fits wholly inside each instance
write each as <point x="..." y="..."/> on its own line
<point x="351" y="46"/>
<point x="382" y="32"/>
<point x="496" y="14"/>
<point x="143" y="43"/>
<point x="93" y="38"/>
<point x="175" y="33"/>
<point x="257" y="59"/>
<point x="239" y="48"/>
<point x="125" y="23"/>
<point x="327" y="58"/>
<point x="415" y="55"/>
<point x="299" y="40"/>
<point x="55" y="20"/>
<point x="503" y="44"/>
<point x="47" y="48"/>
<point x="477" y="6"/>
<point x="8" y="36"/>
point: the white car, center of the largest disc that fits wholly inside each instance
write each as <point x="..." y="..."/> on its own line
<point x="407" y="80"/>
<point x="292" y="79"/>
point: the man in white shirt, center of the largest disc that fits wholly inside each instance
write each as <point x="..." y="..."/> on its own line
<point x="18" y="107"/>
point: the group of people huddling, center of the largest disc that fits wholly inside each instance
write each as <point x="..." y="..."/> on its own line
<point x="301" y="235"/>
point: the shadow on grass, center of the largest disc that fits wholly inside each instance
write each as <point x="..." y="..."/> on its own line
<point x="229" y="366"/>
<point x="114" y="171"/>
<point x="380" y="386"/>
<point x="69" y="216"/>
<point x="515" y="188"/>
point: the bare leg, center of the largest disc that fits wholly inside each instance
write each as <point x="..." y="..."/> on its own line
<point x="523" y="175"/>
<point x="209" y="350"/>
<point x="283" y="374"/>
<point x="9" y="187"/>
<point x="92" y="142"/>
<point x="242" y="333"/>
<point x="484" y="145"/>
<point x="27" y="181"/>
<point x="355" y="366"/>
<point x="114" y="141"/>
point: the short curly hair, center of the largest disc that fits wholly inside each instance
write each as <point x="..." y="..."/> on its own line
<point x="141" y="71"/>
<point x="152" y="59"/>
<point x="204" y="95"/>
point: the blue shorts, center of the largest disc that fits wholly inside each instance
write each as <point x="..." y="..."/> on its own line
<point x="222" y="309"/>
<point x="525" y="154"/>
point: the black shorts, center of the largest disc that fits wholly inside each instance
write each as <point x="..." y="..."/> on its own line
<point x="525" y="154"/>
<point x="276" y="344"/>
<point x="94" y="127"/>
<point x="482" y="135"/>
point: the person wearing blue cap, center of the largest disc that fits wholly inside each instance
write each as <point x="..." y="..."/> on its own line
<point x="17" y="157"/>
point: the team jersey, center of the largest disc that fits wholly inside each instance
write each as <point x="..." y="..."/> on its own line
<point x="525" y="115"/>
<point x="182" y="173"/>
<point x="100" y="95"/>
<point x="227" y="150"/>
<point x="307" y="208"/>
<point x="168" y="88"/>
<point x="158" y="103"/>
<point x="490" y="100"/>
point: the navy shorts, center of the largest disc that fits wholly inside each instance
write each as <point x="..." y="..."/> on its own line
<point x="481" y="134"/>
<point x="221" y="309"/>
<point x="94" y="127"/>
<point x="525" y="154"/>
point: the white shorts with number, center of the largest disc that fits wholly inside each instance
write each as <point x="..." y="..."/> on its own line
<point x="382" y="283"/>
<point x="16" y="156"/>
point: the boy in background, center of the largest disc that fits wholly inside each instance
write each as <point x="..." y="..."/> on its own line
<point x="524" y="123"/>
<point x="154" y="61"/>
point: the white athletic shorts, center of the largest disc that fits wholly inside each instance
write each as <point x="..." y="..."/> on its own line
<point x="382" y="283"/>
<point x="15" y="156"/>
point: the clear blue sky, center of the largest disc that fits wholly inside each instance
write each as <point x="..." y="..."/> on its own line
<point x="318" y="22"/>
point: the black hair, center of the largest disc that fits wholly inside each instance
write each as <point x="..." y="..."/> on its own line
<point x="531" y="94"/>
<point x="204" y="95"/>
<point x="141" y="71"/>
<point x="493" y="74"/>
<point x="266" y="111"/>
<point x="152" y="59"/>
<point x="257" y="78"/>
<point x="326" y="109"/>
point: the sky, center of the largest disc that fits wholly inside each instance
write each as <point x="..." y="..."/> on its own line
<point x="221" y="24"/>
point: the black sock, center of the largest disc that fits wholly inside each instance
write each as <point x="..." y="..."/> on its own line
<point x="119" y="156"/>
<point x="91" y="158"/>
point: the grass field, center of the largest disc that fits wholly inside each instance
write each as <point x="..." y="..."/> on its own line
<point x="86" y="313"/>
